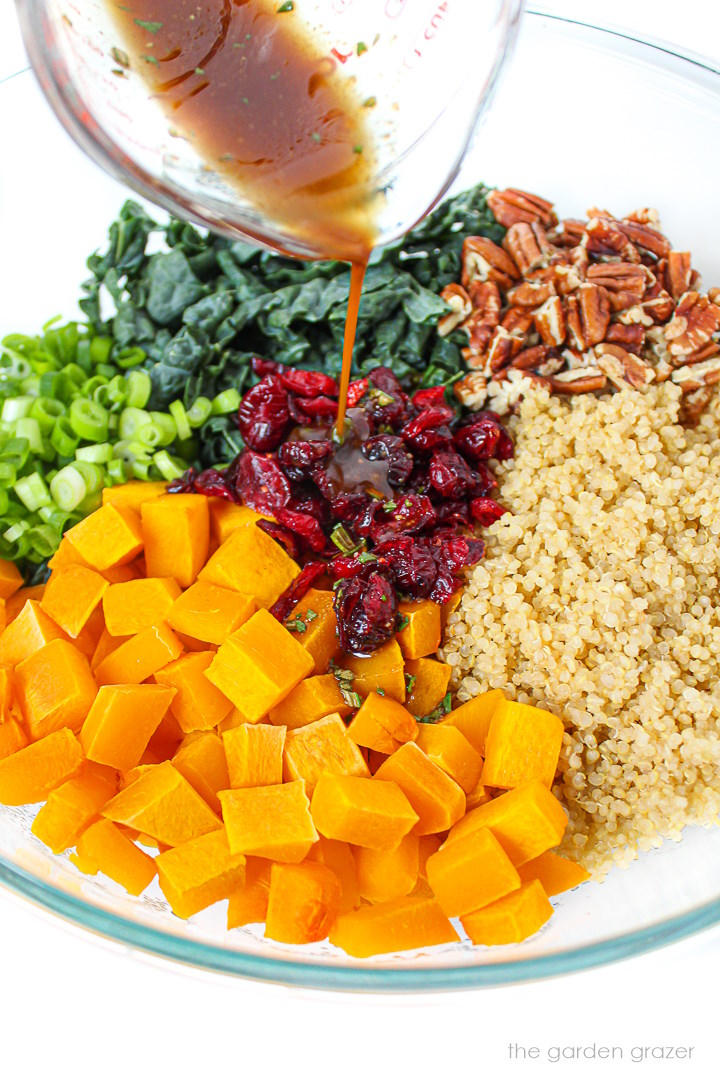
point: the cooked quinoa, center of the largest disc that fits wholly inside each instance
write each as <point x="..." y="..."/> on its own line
<point x="598" y="600"/>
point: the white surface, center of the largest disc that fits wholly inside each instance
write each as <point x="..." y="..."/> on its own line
<point x="72" y="1006"/>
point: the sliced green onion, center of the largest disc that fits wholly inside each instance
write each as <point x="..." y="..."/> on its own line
<point x="177" y="411"/>
<point x="32" y="492"/>
<point x="90" y="385"/>
<point x="130" y="357"/>
<point x="8" y="474"/>
<point x="63" y="438"/>
<point x="93" y="475"/>
<point x="99" y="454"/>
<point x="68" y="488"/>
<point x="199" y="411"/>
<point x="4" y="501"/>
<point x="106" y="370"/>
<point x="16" y="452"/>
<point x="161" y="431"/>
<point x="141" y="469"/>
<point x="15" y="531"/>
<point x="49" y="384"/>
<point x="226" y="402"/>
<point x="170" y="467"/>
<point x="90" y="503"/>
<point x="117" y="390"/>
<point x="44" y="540"/>
<point x="83" y="356"/>
<point x="75" y="373"/>
<point x="31" y="386"/>
<point x="116" y="472"/>
<point x="100" y="349"/>
<point x="139" y="388"/>
<point x="46" y="411"/>
<point x="15" y="408"/>
<point x="131" y="420"/>
<point x="89" y="420"/>
<point x="27" y="428"/>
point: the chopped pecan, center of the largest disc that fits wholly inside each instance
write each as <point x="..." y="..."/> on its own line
<point x="703" y="353"/>
<point x="658" y="308"/>
<point x="637" y="314"/>
<point x="580" y="260"/>
<point x="471" y="391"/>
<point x="568" y="233"/>
<point x="695" y="320"/>
<point x="714" y="295"/>
<point x="551" y="366"/>
<point x="645" y="238"/>
<point x="605" y="238"/>
<point x="695" y="376"/>
<point x="528" y="245"/>
<point x="573" y="321"/>
<point x="631" y="337"/>
<point x="476" y="361"/>
<point x="484" y="261"/>
<point x="625" y="282"/>
<point x="502" y="349"/>
<point x="574" y="358"/>
<point x="550" y="322"/>
<point x="646" y="215"/>
<point x="579" y="381"/>
<point x="695" y="403"/>
<point x="677" y="272"/>
<point x="485" y="316"/>
<point x="594" y="312"/>
<point x="517" y="320"/>
<point x="623" y="368"/>
<point x="567" y="277"/>
<point x="530" y="294"/>
<point x="512" y="205"/>
<point x="530" y="358"/>
<point x="459" y="302"/>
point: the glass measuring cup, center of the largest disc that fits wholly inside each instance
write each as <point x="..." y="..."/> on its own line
<point x="429" y="65"/>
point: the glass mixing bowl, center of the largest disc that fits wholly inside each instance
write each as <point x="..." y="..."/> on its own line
<point x="584" y="116"/>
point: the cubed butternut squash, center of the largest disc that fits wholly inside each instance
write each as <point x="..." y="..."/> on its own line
<point x="303" y="902"/>
<point x="385" y="875"/>
<point x="7" y="692"/>
<point x="251" y="563"/>
<point x="527" y="821"/>
<point x="473" y="718"/>
<point x="312" y="622"/>
<point x="133" y="494"/>
<point x="426" y="683"/>
<point x="139" y="657"/>
<point x="121" y="720"/>
<point x="420" y="632"/>
<point x="448" y="748"/>
<point x="254" y="754"/>
<point x="15" y="603"/>
<point x="384" y="670"/>
<point x="415" y="922"/>
<point x="73" y="806"/>
<point x="427" y="846"/>
<point x="471" y="873"/>
<point x="28" y="632"/>
<point x="176" y="533"/>
<point x="311" y="699"/>
<point x="65" y="556"/>
<point x="249" y="903"/>
<point x="555" y="873"/>
<point x="12" y="737"/>
<point x="164" y="741"/>
<point x="164" y="805"/>
<point x="271" y="822"/>
<point x="71" y="596"/>
<point x="523" y="744"/>
<point x="437" y="800"/>
<point x="106" y="644"/>
<point x="210" y="613"/>
<point x="259" y="664"/>
<point x="199" y="873"/>
<point x="361" y="811"/>
<point x="477" y="797"/>
<point x="112" y="536"/>
<point x="10" y="579"/>
<point x="339" y="857"/>
<point x="225" y="517"/>
<point x="382" y="724"/>
<point x="198" y="705"/>
<point x="450" y="607"/>
<point x="31" y="773"/>
<point x="322" y="747"/>
<point x="513" y="918"/>
<point x="54" y="688"/>
<point x="132" y="606"/>
<point x="202" y="762"/>
<point x="112" y="853"/>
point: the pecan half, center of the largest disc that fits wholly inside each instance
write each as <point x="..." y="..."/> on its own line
<point x="659" y="308"/>
<point x="502" y="349"/>
<point x="573" y="321"/>
<point x="625" y="282"/>
<point x="630" y="337"/>
<point x="623" y="368"/>
<point x="677" y="273"/>
<point x="645" y="238"/>
<point x="528" y="245"/>
<point x="695" y="403"/>
<point x="485" y="315"/>
<point x="594" y="312"/>
<point x="512" y="205"/>
<point x="605" y="238"/>
<point x="646" y="215"/>
<point x="530" y="294"/>
<point x="579" y="381"/>
<point x="695" y="320"/>
<point x="517" y="320"/>
<point x="459" y="302"/>
<point x="484" y="261"/>
<point x="703" y="353"/>
<point x="568" y="233"/>
<point x="550" y="322"/>
<point x="530" y="358"/>
<point x="471" y="391"/>
<point x="695" y="376"/>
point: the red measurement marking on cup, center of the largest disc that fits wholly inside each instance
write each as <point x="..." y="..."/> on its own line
<point x="434" y="24"/>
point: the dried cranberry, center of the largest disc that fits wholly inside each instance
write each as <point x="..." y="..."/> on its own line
<point x="213" y="482"/>
<point x="435" y="417"/>
<point x="308" y="384"/>
<point x="450" y="474"/>
<point x="298" y="458"/>
<point x="318" y="407"/>
<point x="184" y="484"/>
<point x="459" y="552"/>
<point x="282" y="535"/>
<point x="483" y="480"/>
<point x="390" y="448"/>
<point x="261" y="483"/>
<point x="434" y="395"/>
<point x="305" y="526"/>
<point x="319" y="476"/>
<point x="356" y="391"/>
<point x="411" y="565"/>
<point x="298" y="414"/>
<point x="263" y="415"/>
<point x="445" y="585"/>
<point x="478" y="440"/>
<point x="504" y="449"/>
<point x="263" y="367"/>
<point x="386" y="401"/>
<point x="366" y="607"/>
<point x="294" y="594"/>
<point x="382" y="378"/>
<point x="411" y="514"/>
<point x="453" y="512"/>
<point x="349" y="504"/>
<point x="485" y="511"/>
<point x="432" y="439"/>
<point x="306" y="501"/>
<point x="347" y="566"/>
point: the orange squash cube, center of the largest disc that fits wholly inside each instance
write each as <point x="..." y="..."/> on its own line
<point x="225" y="517"/>
<point x="176" y="531"/>
<point x="411" y="922"/>
<point x="251" y="563"/>
<point x="555" y="874"/>
<point x="310" y="700"/>
<point x="473" y="718"/>
<point x="386" y="875"/>
<point x="527" y="821"/>
<point x="523" y="744"/>
<point x="133" y="494"/>
<point x="249" y="903"/>
<point x="73" y="806"/>
<point x="15" y="603"/>
<point x="132" y="606"/>
<point x="198" y="705"/>
<point x="254" y="754"/>
<point x="210" y="613"/>
<point x="28" y="632"/>
<point x="426" y="684"/>
<point x="164" y="741"/>
<point x="471" y="873"/>
<point x="31" y="773"/>
<point x="271" y="822"/>
<point x="322" y="747"/>
<point x="513" y="918"/>
<point x="437" y="800"/>
<point x="303" y="902"/>
<point x="54" y="688"/>
<point x="427" y="846"/>
<point x="234" y="719"/>
<point x="121" y="721"/>
<point x="312" y="622"/>
<point x="7" y="692"/>
<point x="65" y="556"/>
<point x="361" y="811"/>
<point x="12" y="737"/>
<point x="451" y="606"/>
<point x="448" y="748"/>
<point x="106" y="644"/>
<point x="199" y="873"/>
<point x="339" y="857"/>
<point x="107" y="849"/>
<point x="164" y="805"/>
<point x="71" y="596"/>
<point x="141" y="656"/>
<point x="421" y="631"/>
<point x="382" y="724"/>
<point x="259" y="664"/>
<point x="202" y="763"/>
<point x="477" y="797"/>
<point x="384" y="670"/>
<point x="110" y="537"/>
<point x="10" y="579"/>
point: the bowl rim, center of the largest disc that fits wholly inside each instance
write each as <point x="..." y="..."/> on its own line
<point x="419" y="977"/>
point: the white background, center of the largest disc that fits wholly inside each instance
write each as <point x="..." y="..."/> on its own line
<point x="72" y="1005"/>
